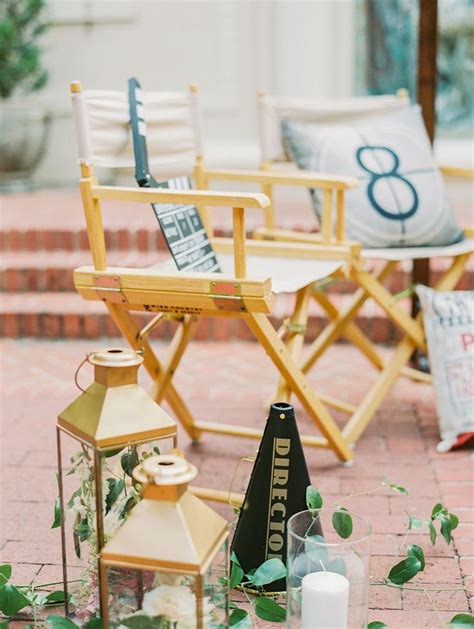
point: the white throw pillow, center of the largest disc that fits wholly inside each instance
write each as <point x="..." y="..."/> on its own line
<point x="449" y="327"/>
<point x="402" y="200"/>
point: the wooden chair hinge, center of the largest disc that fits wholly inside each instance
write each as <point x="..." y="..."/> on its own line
<point x="108" y="288"/>
<point x="228" y="296"/>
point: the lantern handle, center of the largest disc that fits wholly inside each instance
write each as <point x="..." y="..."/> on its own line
<point x="249" y="459"/>
<point x="86" y="360"/>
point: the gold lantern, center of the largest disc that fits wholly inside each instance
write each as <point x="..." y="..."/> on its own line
<point x="116" y="424"/>
<point x="169" y="562"/>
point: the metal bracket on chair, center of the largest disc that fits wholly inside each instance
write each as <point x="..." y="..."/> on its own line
<point x="294" y="328"/>
<point x="227" y="296"/>
<point x="108" y="288"/>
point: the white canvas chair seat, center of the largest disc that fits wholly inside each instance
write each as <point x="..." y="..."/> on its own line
<point x="420" y="253"/>
<point x="287" y="275"/>
<point x="368" y="278"/>
<point x="252" y="271"/>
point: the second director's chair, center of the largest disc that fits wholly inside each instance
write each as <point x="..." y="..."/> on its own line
<point x="373" y="267"/>
<point x="252" y="272"/>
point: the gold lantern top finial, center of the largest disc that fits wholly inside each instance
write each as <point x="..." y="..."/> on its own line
<point x="165" y="469"/>
<point x="114" y="410"/>
<point x="115" y="366"/>
<point x="170" y="528"/>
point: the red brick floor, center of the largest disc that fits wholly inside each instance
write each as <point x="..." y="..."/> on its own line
<point x="229" y="383"/>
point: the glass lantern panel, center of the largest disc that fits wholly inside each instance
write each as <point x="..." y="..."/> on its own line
<point x="167" y="599"/>
<point x="120" y="492"/>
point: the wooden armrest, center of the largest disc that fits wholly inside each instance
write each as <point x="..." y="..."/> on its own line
<point x="193" y="197"/>
<point x="455" y="171"/>
<point x="286" y="178"/>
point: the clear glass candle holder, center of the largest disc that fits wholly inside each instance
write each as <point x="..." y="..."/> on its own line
<point x="328" y="573"/>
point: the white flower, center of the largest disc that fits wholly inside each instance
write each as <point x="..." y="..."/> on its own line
<point x="79" y="507"/>
<point x="177" y="603"/>
<point x="165" y="578"/>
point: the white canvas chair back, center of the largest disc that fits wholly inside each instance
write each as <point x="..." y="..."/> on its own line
<point x="272" y="110"/>
<point x="104" y="138"/>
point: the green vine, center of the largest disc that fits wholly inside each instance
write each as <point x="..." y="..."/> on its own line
<point x="122" y="492"/>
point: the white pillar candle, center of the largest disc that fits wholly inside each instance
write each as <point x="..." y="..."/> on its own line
<point x="324" y="601"/>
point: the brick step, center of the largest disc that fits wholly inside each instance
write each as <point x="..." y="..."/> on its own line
<point x="67" y="315"/>
<point x="53" y="271"/>
<point x="49" y="220"/>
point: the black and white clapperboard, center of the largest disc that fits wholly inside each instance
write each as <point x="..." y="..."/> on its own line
<point x="181" y="225"/>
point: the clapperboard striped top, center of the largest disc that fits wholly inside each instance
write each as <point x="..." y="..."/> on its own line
<point x="181" y="225"/>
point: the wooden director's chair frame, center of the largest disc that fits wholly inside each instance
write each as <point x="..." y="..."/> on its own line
<point x="186" y="297"/>
<point x="369" y="282"/>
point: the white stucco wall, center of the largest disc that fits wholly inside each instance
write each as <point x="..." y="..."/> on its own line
<point x="230" y="48"/>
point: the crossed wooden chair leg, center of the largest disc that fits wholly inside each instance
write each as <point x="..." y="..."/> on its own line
<point x="342" y="324"/>
<point x="284" y="357"/>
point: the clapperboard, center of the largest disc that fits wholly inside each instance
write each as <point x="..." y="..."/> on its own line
<point x="181" y="225"/>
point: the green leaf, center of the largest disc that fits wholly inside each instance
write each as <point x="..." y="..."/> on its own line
<point x="445" y="528"/>
<point x="318" y="551"/>
<point x="432" y="533"/>
<point x="4" y="625"/>
<point x="314" y="500"/>
<point x="399" y="489"/>
<point x="12" y="600"/>
<point x="337" y="565"/>
<point x="268" y="609"/>
<point x="56" y="598"/>
<point x="377" y="624"/>
<point x="236" y="575"/>
<point x="81" y="533"/>
<point x="416" y="551"/>
<point x="110" y="453"/>
<point x="235" y="559"/>
<point x="437" y="509"/>
<point x="95" y="623"/>
<point x="415" y="523"/>
<point x="127" y="507"/>
<point x="59" y="622"/>
<point x="342" y="523"/>
<point x="74" y="495"/>
<point x="270" y="571"/>
<point x="239" y="619"/>
<point x="454" y="521"/>
<point x="129" y="461"/>
<point x="462" y="620"/>
<point x="116" y="486"/>
<point x="57" y="515"/>
<point x="82" y="530"/>
<point x="5" y="573"/>
<point x="144" y="622"/>
<point x="404" y="571"/>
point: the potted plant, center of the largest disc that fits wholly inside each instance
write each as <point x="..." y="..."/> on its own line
<point x="23" y="125"/>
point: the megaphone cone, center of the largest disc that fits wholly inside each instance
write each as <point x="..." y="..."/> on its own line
<point x="276" y="491"/>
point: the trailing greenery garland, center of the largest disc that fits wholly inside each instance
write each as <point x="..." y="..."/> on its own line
<point x="441" y="522"/>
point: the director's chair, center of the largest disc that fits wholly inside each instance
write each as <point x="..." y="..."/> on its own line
<point x="368" y="271"/>
<point x="252" y="272"/>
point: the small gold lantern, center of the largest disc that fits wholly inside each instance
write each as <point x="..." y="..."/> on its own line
<point x="169" y="562"/>
<point x="115" y="422"/>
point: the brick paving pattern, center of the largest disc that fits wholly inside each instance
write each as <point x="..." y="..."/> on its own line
<point x="229" y="382"/>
